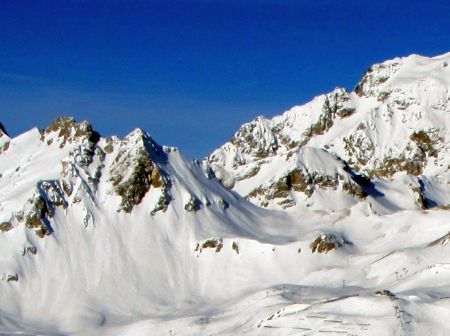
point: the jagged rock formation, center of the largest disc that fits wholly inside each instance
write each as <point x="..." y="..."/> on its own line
<point x="133" y="172"/>
<point x="127" y="166"/>
<point x="65" y="130"/>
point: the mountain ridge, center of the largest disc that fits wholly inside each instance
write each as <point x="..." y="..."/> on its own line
<point x="282" y="229"/>
<point x="395" y="120"/>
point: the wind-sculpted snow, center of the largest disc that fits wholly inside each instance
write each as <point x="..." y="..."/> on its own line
<point x="329" y="219"/>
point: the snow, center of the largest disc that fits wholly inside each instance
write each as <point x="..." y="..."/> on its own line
<point x="226" y="266"/>
<point x="396" y="100"/>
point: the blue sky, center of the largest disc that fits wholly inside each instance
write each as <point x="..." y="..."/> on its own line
<point x="191" y="72"/>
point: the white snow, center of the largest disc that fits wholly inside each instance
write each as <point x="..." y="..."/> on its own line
<point x="230" y="267"/>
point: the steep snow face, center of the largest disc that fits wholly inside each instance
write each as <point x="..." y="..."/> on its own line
<point x="396" y="119"/>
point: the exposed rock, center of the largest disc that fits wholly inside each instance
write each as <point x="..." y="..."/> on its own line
<point x="52" y="195"/>
<point x="3" y="130"/>
<point x="302" y="180"/>
<point x="385" y="293"/>
<point x="391" y="165"/>
<point x="109" y="146"/>
<point x="320" y="127"/>
<point x="235" y="247"/>
<point x="255" y="138"/>
<point x="389" y="101"/>
<point x="209" y="172"/>
<point x="223" y="204"/>
<point x="250" y="173"/>
<point x="213" y="243"/>
<point x="427" y="141"/>
<point x="156" y="179"/>
<point x="327" y="242"/>
<point x="335" y="104"/>
<point x="134" y="172"/>
<point x="421" y="200"/>
<point x="375" y="76"/>
<point x="68" y="130"/>
<point x="354" y="189"/>
<point x="163" y="202"/>
<point x="43" y="204"/>
<point x="194" y="204"/>
<point x="358" y="145"/>
<point x="79" y="176"/>
<point x="33" y="221"/>
<point x="5" y="147"/>
<point x="32" y="250"/>
<point x="77" y="169"/>
<point x="6" y="226"/>
<point x="296" y="180"/>
<point x="12" y="277"/>
<point x="133" y="189"/>
<point x="43" y="231"/>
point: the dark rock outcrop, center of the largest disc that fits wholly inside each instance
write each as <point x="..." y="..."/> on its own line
<point x="3" y="130"/>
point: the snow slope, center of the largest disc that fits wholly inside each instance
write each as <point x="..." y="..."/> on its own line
<point x="110" y="236"/>
<point x="396" y="119"/>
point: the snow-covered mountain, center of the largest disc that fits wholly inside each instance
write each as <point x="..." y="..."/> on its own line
<point x="397" y="119"/>
<point x="96" y="230"/>
<point x="331" y="218"/>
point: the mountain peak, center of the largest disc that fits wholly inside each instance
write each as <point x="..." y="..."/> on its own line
<point x="66" y="129"/>
<point x="381" y="77"/>
<point x="138" y="166"/>
<point x="397" y="119"/>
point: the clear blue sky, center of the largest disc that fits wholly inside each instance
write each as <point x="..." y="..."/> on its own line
<point x="191" y="72"/>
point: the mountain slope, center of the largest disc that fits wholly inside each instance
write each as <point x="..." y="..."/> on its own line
<point x="113" y="229"/>
<point x="396" y="120"/>
<point x="110" y="236"/>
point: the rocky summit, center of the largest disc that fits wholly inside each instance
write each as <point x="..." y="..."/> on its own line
<point x="331" y="218"/>
<point x="391" y="129"/>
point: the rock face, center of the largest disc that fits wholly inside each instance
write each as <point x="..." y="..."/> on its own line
<point x="133" y="172"/>
<point x="66" y="130"/>
<point x="5" y="226"/>
<point x="327" y="242"/>
<point x="396" y="120"/>
<point x="306" y="171"/>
